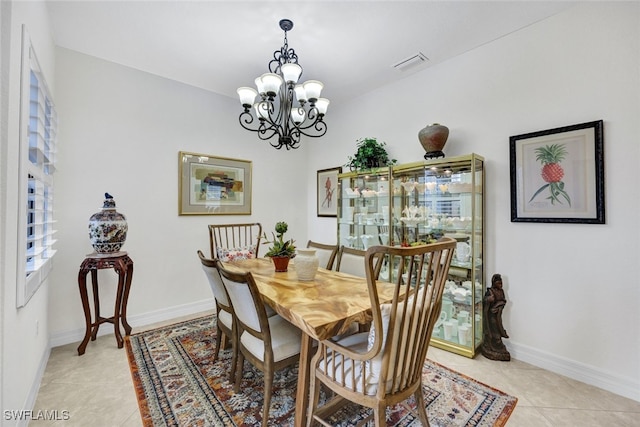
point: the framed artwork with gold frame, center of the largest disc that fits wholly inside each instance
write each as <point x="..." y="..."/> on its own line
<point x="210" y="185"/>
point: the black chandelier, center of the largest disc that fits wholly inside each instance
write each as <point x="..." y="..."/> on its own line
<point x="277" y="115"/>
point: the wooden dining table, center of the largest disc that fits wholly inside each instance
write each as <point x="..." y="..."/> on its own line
<point x="321" y="308"/>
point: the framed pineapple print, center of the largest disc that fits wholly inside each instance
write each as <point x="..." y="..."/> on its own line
<point x="557" y="175"/>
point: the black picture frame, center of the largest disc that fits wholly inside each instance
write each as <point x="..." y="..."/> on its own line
<point x="327" y="184"/>
<point x="572" y="190"/>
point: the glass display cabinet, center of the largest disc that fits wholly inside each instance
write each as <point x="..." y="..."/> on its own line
<point x="444" y="197"/>
<point x="363" y="208"/>
<point x="417" y="203"/>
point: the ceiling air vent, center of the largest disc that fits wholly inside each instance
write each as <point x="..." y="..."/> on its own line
<point x="411" y="62"/>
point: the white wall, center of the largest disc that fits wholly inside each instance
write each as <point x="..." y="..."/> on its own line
<point x="573" y="290"/>
<point x="24" y="345"/>
<point x="120" y="132"/>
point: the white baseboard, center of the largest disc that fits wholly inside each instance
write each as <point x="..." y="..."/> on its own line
<point x="622" y="386"/>
<point x="35" y="387"/>
<point x="136" y="321"/>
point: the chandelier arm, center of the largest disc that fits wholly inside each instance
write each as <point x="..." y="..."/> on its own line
<point x="266" y="133"/>
<point x="271" y="124"/>
<point x="246" y="118"/>
<point x="267" y="109"/>
<point x="312" y="120"/>
<point x="319" y="126"/>
<point x="265" y="130"/>
<point x="313" y="114"/>
<point x="295" y="137"/>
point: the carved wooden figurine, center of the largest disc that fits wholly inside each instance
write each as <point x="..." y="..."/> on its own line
<point x="493" y="330"/>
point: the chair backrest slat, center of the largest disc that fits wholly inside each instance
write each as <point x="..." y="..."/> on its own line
<point x="231" y="241"/>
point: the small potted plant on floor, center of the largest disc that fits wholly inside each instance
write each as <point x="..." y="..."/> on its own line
<point x="280" y="251"/>
<point x="369" y="154"/>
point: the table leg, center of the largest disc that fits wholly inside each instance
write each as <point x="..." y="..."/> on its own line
<point x="96" y="304"/>
<point x="304" y="371"/>
<point x="82" y="284"/>
<point x="125" y="298"/>
<point x="122" y="272"/>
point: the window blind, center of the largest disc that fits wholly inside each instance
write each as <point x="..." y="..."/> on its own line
<point x="38" y="154"/>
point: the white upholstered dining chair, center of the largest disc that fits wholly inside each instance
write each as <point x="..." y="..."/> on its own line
<point x="268" y="343"/>
<point x="351" y="261"/>
<point x="225" y="322"/>
<point x="326" y="253"/>
<point x="384" y="366"/>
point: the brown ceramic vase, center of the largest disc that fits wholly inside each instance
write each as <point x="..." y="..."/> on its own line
<point x="433" y="138"/>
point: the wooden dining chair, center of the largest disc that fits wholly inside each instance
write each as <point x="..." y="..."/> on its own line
<point x="268" y="343"/>
<point x="225" y="318"/>
<point x="234" y="241"/>
<point x="384" y="366"/>
<point x="326" y="253"/>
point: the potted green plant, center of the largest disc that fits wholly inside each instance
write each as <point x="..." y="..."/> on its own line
<point x="369" y="154"/>
<point x="280" y="251"/>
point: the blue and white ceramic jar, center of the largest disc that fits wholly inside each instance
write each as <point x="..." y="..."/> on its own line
<point x="108" y="228"/>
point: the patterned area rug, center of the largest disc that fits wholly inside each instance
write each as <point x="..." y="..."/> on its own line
<point x="177" y="385"/>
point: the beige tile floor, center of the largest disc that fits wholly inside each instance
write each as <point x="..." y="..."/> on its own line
<point x="97" y="390"/>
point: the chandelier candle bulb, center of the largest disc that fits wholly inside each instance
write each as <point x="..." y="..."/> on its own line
<point x="259" y="85"/>
<point x="297" y="115"/>
<point x="291" y="72"/>
<point x="313" y="89"/>
<point x="262" y="110"/>
<point x="247" y="96"/>
<point x="272" y="83"/>
<point x="301" y="95"/>
<point x="322" y="104"/>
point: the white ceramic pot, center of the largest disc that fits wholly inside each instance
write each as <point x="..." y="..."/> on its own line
<point x="306" y="263"/>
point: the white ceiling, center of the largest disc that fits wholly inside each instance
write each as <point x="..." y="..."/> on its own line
<point x="349" y="45"/>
